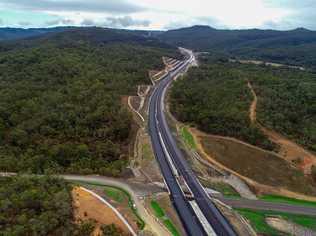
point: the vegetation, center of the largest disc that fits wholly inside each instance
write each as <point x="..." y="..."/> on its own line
<point x="187" y="137"/>
<point x="114" y="194"/>
<point x="286" y="101"/>
<point x="170" y="226"/>
<point x="216" y="99"/>
<point x="119" y="194"/>
<point x="157" y="209"/>
<point x="160" y="213"/>
<point x="261" y="166"/>
<point x="257" y="220"/>
<point x="36" y="206"/>
<point x="224" y="188"/>
<point x="295" y="47"/>
<point x="60" y="99"/>
<point x="282" y="199"/>
<point x="313" y="172"/>
<point x="111" y="230"/>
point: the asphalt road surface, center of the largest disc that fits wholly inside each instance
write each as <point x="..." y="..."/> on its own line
<point x="269" y="206"/>
<point x="162" y="140"/>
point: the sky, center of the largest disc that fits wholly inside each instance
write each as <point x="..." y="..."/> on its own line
<point x="160" y="14"/>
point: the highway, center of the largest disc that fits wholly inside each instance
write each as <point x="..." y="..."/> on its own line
<point x="172" y="164"/>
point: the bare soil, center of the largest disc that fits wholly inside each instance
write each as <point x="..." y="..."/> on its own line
<point x="253" y="106"/>
<point x="87" y="207"/>
<point x="291" y="151"/>
<point x="135" y="102"/>
<point x="288" y="227"/>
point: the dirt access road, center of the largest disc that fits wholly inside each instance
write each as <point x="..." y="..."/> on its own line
<point x="289" y="150"/>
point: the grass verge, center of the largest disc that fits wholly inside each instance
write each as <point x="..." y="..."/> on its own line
<point x="257" y="220"/>
<point x="160" y="213"/>
<point x="187" y="137"/>
<point x="114" y="194"/>
<point x="221" y="187"/>
<point x="282" y="199"/>
<point x="225" y="189"/>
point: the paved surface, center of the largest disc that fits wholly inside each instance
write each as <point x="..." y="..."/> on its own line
<point x="159" y="128"/>
<point x="269" y="206"/>
<point x="151" y="222"/>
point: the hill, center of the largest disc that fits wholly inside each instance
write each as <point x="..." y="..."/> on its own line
<point x="60" y="99"/>
<point x="19" y="33"/>
<point x="295" y="47"/>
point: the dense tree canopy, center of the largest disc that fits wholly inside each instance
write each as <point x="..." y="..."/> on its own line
<point x="35" y="206"/>
<point x="286" y="102"/>
<point x="215" y="97"/>
<point x="294" y="47"/>
<point x="60" y="100"/>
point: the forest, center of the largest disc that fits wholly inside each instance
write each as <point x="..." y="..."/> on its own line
<point x="60" y="100"/>
<point x="216" y="99"/>
<point x="42" y="206"/>
<point x="286" y="102"/>
<point x="35" y="206"/>
<point x="294" y="47"/>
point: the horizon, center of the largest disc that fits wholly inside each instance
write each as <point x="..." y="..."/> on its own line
<point x="163" y="15"/>
<point x="157" y="30"/>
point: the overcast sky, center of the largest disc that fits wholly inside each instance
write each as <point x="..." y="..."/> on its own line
<point x="160" y="14"/>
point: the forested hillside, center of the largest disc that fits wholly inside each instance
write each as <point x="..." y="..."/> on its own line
<point x="286" y="102"/>
<point x="295" y="47"/>
<point x="60" y="99"/>
<point x="35" y="206"/>
<point x="215" y="97"/>
<point x="19" y="33"/>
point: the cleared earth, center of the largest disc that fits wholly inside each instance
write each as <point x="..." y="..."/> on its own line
<point x="263" y="167"/>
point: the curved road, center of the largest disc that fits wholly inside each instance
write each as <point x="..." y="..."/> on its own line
<point x="172" y="162"/>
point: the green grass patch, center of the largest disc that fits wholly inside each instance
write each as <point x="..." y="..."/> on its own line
<point x="147" y="152"/>
<point x="221" y="187"/>
<point x="187" y="137"/>
<point x="114" y="194"/>
<point x="282" y="199"/>
<point x="225" y="189"/>
<point x="170" y="226"/>
<point x="140" y="222"/>
<point x="159" y="213"/>
<point x="257" y="220"/>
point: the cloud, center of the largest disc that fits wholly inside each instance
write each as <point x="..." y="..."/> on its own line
<point x="60" y="22"/>
<point x="97" y="6"/>
<point x="125" y="22"/>
<point x="302" y="14"/>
